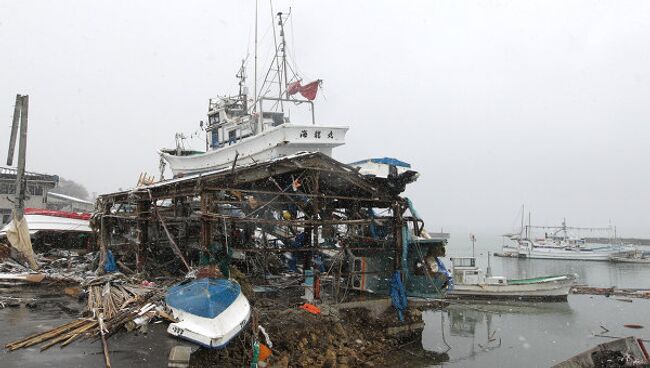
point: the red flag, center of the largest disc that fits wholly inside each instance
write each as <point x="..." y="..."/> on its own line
<point x="294" y="87"/>
<point x="309" y="91"/>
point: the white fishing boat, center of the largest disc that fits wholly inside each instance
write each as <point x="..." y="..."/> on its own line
<point x="210" y="312"/>
<point x="558" y="243"/>
<point x="243" y="130"/>
<point x="544" y="249"/>
<point x="471" y="282"/>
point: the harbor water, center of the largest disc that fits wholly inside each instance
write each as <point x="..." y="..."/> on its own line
<point x="516" y="334"/>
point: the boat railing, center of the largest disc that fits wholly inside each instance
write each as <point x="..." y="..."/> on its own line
<point x="276" y="99"/>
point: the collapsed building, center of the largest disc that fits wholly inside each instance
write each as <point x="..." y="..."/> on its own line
<point x="302" y="212"/>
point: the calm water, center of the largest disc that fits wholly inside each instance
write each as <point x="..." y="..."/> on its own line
<point x="536" y="334"/>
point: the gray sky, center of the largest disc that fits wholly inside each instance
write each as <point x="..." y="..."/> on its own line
<point x="496" y="103"/>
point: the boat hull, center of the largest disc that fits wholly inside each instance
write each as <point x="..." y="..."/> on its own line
<point x="279" y="141"/>
<point x="549" y="289"/>
<point x="202" y="330"/>
<point x="629" y="260"/>
<point x="206" y="314"/>
<point x="564" y="254"/>
<point x="38" y="223"/>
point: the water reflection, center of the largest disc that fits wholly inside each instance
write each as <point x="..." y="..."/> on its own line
<point x="465" y="330"/>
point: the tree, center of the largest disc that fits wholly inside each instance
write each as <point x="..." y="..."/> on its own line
<point x="71" y="188"/>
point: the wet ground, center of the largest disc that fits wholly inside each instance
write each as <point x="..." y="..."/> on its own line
<point x="53" y="308"/>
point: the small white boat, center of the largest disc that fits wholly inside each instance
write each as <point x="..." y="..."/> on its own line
<point x="471" y="282"/>
<point x="210" y="312"/>
<point x="632" y="257"/>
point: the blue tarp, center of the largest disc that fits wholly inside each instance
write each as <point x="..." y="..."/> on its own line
<point x="385" y="160"/>
<point x="398" y="295"/>
<point x="203" y="297"/>
<point x="110" y="265"/>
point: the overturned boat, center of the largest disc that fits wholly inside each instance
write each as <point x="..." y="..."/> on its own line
<point x="471" y="282"/>
<point x="210" y="311"/>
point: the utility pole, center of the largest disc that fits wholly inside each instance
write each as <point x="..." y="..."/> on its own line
<point x="22" y="244"/>
<point x="14" y="130"/>
<point x="19" y="204"/>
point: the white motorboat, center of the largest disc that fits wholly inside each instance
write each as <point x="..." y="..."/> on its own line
<point x="471" y="282"/>
<point x="210" y="312"/>
<point x="241" y="130"/>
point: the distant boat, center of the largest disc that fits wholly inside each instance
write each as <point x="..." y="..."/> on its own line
<point x="210" y="311"/>
<point x="558" y="244"/>
<point x="471" y="282"/>
<point x="632" y="257"/>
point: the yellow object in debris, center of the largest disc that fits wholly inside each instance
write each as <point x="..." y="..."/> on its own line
<point x="286" y="215"/>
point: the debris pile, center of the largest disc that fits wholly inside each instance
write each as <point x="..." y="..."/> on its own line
<point x="345" y="338"/>
<point x="112" y="303"/>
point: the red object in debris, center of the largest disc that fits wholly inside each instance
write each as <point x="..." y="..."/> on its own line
<point x="55" y="213"/>
<point x="310" y="308"/>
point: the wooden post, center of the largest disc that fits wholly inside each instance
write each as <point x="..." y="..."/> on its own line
<point x="206" y="225"/>
<point x="103" y="242"/>
<point x="143" y="213"/>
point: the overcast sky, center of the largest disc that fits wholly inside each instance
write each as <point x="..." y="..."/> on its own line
<point x="496" y="103"/>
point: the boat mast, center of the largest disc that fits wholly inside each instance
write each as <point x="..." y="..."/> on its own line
<point x="277" y="62"/>
<point x="255" y="68"/>
<point x="521" y="229"/>
<point x="242" y="86"/>
<point x="283" y="45"/>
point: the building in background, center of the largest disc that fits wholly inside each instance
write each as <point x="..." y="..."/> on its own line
<point x="63" y="202"/>
<point x="38" y="185"/>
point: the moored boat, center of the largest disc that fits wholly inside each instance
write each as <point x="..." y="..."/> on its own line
<point x="559" y="244"/>
<point x="632" y="257"/>
<point x="471" y="282"/>
<point x="210" y="311"/>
